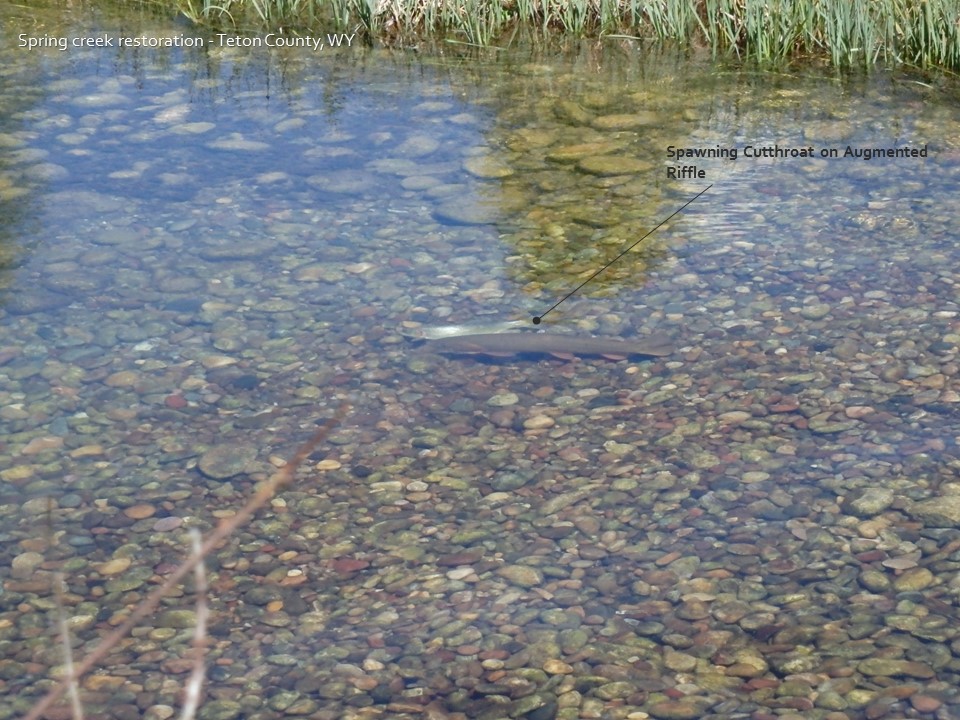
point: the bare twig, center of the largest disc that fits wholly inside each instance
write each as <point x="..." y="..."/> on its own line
<point x="70" y="675"/>
<point x="279" y="480"/>
<point x="195" y="683"/>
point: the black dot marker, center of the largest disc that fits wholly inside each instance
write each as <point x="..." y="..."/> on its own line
<point x="536" y="320"/>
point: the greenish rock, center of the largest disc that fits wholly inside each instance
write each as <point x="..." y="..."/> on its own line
<point x="564" y="500"/>
<point x="559" y="618"/>
<point x="859" y="698"/>
<point x="262" y="595"/>
<point x="906" y="623"/>
<point x="888" y="667"/>
<point x="614" y="690"/>
<point x="686" y="566"/>
<point x="731" y="611"/>
<point x="312" y="623"/>
<point x="283" y="700"/>
<point x="303" y="706"/>
<point x="573" y="640"/>
<point x="831" y="700"/>
<point x="626" y="121"/>
<point x="718" y="682"/>
<point x="419" y="366"/>
<point x="675" y="710"/>
<point x="829" y="427"/>
<point x="219" y="710"/>
<point x="522" y="575"/>
<point x="942" y="511"/>
<point x="505" y="482"/>
<point x="333" y="690"/>
<point x="504" y="399"/>
<point x="875" y="581"/>
<point x="678" y="661"/>
<point x="755" y="455"/>
<point x="914" y="580"/>
<point x="534" y="675"/>
<point x="574" y="153"/>
<point x="179" y="619"/>
<point x="795" y="662"/>
<point x="799" y="378"/>
<point x="471" y="536"/>
<point x="660" y="396"/>
<point x="815" y="312"/>
<point x="544" y="649"/>
<point x="12" y="670"/>
<point x="572" y="112"/>
<point x="429" y="439"/>
<point x="131" y="580"/>
<point x="226" y="461"/>
<point x="704" y="459"/>
<point x="487" y="167"/>
<point x="872" y="501"/>
<point x="313" y="507"/>
<point x="461" y="484"/>
<point x="498" y="459"/>
<point x="614" y="165"/>
<point x="751" y="665"/>
<point x="526" y="705"/>
<point x="846" y="349"/>
<point x="861" y="646"/>
<point x="618" y="448"/>
<point x="794" y="688"/>
<point x="276" y="619"/>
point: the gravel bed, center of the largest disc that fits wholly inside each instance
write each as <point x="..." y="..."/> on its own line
<point x="764" y="524"/>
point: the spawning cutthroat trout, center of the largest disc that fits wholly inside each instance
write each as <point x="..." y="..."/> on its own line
<point x="556" y="344"/>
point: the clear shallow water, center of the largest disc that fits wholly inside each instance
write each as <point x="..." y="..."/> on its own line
<point x="205" y="252"/>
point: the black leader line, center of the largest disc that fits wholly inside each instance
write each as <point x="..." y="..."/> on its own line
<point x="539" y="318"/>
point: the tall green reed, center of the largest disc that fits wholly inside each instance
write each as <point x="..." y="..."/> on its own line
<point x="850" y="32"/>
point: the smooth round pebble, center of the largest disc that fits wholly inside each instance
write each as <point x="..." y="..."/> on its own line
<point x="171" y="522"/>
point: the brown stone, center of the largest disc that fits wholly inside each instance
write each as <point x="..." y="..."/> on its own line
<point x="140" y="512"/>
<point x="925" y="703"/>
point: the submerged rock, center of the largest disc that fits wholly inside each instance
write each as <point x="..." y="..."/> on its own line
<point x="938" y="512"/>
<point x="34" y="300"/>
<point x="226" y="461"/>
<point x="614" y="165"/>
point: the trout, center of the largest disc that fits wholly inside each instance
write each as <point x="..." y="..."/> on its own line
<point x="558" y="345"/>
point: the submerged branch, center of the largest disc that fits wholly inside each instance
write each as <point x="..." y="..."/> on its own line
<point x="279" y="480"/>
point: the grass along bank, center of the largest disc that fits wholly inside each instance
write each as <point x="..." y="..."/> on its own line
<point x="921" y="33"/>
